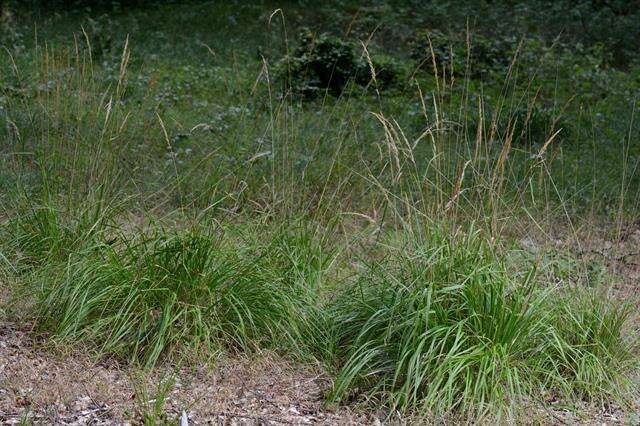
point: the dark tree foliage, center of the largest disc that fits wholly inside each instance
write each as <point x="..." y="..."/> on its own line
<point x="45" y="5"/>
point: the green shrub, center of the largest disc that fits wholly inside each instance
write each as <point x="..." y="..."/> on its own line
<point x="533" y="125"/>
<point x="11" y="36"/>
<point x="454" y="55"/>
<point x="386" y="72"/>
<point x="100" y="31"/>
<point x="491" y="55"/>
<point x="429" y="46"/>
<point x="612" y="24"/>
<point x="529" y="125"/>
<point x="323" y="63"/>
<point x="48" y="5"/>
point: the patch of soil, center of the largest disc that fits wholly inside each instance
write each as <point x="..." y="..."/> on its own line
<point x="46" y="387"/>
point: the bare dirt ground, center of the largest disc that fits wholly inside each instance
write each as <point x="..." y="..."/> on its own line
<point x="45" y="387"/>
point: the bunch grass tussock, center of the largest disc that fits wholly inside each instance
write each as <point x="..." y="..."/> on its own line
<point x="442" y="327"/>
<point x="435" y="323"/>
<point x="139" y="297"/>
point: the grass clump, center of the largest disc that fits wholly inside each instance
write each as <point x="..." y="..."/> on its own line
<point x="594" y="349"/>
<point x="497" y="123"/>
<point x="304" y="261"/>
<point x="141" y="297"/>
<point x="47" y="233"/>
<point x="443" y="328"/>
<point x="40" y="235"/>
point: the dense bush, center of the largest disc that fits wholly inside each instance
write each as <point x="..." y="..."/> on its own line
<point x="429" y="46"/>
<point x="82" y="4"/>
<point x="11" y="36"/>
<point x="611" y="24"/>
<point x="533" y="124"/>
<point x="100" y="33"/>
<point x="328" y="63"/>
<point x="456" y="54"/>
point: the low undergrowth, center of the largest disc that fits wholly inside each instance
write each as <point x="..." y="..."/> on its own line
<point x="441" y="327"/>
<point x="141" y="294"/>
<point x="434" y="325"/>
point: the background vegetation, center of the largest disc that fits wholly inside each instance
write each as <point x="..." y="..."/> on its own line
<point x="371" y="186"/>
